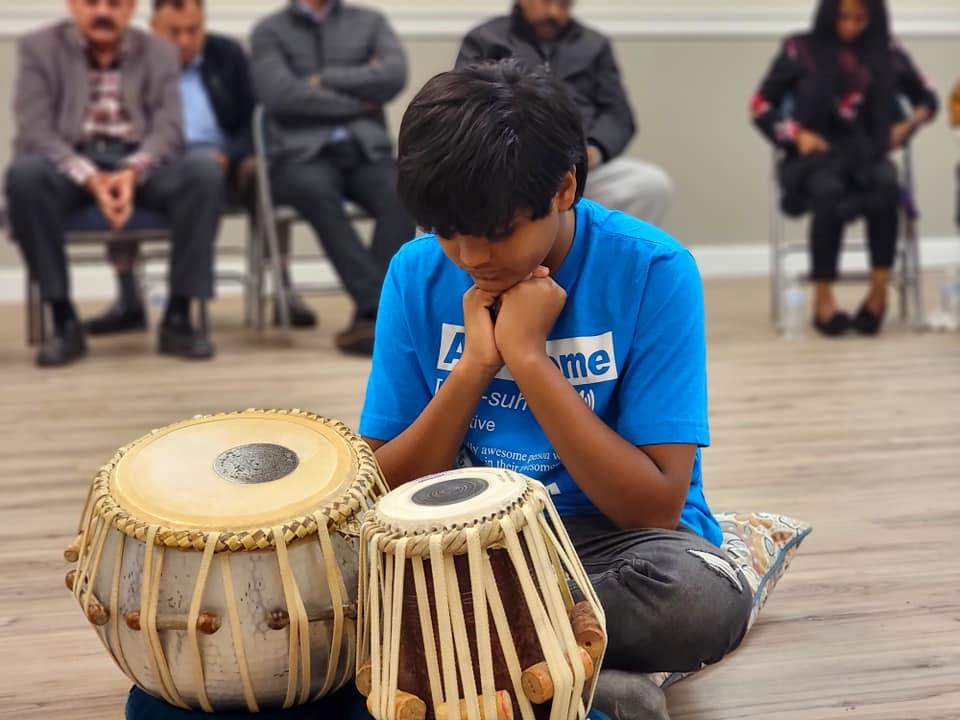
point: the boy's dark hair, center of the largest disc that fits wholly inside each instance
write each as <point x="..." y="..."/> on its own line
<point x="479" y="145"/>
<point x="176" y="4"/>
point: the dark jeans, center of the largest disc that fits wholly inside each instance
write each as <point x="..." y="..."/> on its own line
<point x="188" y="192"/>
<point x="316" y="188"/>
<point x="673" y="600"/>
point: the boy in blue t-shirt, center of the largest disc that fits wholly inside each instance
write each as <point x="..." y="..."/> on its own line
<point x="538" y="331"/>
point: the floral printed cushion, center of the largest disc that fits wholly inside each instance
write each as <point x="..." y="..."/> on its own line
<point x="761" y="545"/>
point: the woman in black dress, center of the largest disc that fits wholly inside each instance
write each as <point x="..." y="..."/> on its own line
<point x="831" y="102"/>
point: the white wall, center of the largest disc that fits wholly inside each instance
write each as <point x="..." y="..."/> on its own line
<point x="689" y="81"/>
<point x="445" y="17"/>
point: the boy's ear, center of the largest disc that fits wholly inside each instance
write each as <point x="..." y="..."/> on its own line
<point x="568" y="191"/>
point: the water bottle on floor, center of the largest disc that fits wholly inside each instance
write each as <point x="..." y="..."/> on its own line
<point x="157" y="297"/>
<point x="950" y="297"/>
<point x="794" y="310"/>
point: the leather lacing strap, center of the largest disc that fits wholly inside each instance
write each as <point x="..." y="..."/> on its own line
<point x="426" y="626"/>
<point x="235" y="632"/>
<point x="193" y="634"/>
<point x="149" y="601"/>
<point x="338" y="595"/>
<point x="116" y="644"/>
<point x="299" y="655"/>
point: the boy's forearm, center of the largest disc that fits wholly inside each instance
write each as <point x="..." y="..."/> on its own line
<point x="619" y="478"/>
<point x="432" y="442"/>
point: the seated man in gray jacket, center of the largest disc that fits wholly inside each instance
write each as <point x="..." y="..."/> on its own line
<point x="97" y="112"/>
<point x="544" y="33"/>
<point x="323" y="71"/>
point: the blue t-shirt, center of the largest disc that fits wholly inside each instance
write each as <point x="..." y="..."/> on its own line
<point x="630" y="339"/>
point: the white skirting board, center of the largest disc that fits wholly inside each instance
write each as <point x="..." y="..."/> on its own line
<point x="726" y="261"/>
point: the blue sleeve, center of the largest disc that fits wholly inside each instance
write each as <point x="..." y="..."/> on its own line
<point x="663" y="388"/>
<point x="396" y="390"/>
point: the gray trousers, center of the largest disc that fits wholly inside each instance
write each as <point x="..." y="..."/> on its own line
<point x="240" y="192"/>
<point x="673" y="600"/>
<point x="637" y="188"/>
<point x="188" y="192"/>
<point x="316" y="189"/>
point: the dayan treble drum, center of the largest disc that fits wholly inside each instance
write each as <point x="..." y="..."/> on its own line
<point x="474" y="604"/>
<point x="217" y="558"/>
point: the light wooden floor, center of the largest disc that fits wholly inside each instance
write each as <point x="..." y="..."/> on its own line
<point x="859" y="436"/>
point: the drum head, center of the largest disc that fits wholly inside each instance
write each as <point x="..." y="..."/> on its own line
<point x="452" y="498"/>
<point x="254" y="469"/>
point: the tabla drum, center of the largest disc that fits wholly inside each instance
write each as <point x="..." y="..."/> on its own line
<point x="217" y="558"/>
<point x="473" y="604"/>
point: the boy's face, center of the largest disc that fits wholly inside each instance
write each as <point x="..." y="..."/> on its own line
<point x="497" y="264"/>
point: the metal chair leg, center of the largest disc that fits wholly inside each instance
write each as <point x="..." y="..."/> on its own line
<point x="203" y="318"/>
<point x="276" y="266"/>
<point x="249" y="282"/>
<point x="914" y="278"/>
<point x="775" y="228"/>
<point x="28" y="312"/>
<point x="269" y="234"/>
<point x="35" y="314"/>
<point x="260" y="269"/>
<point x="268" y="218"/>
<point x="902" y="293"/>
<point x="777" y="269"/>
<point x="775" y="263"/>
<point x="777" y="280"/>
<point x="902" y="274"/>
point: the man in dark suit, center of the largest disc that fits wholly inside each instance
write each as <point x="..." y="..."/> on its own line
<point x="324" y="70"/>
<point x="217" y="96"/>
<point x="98" y="119"/>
